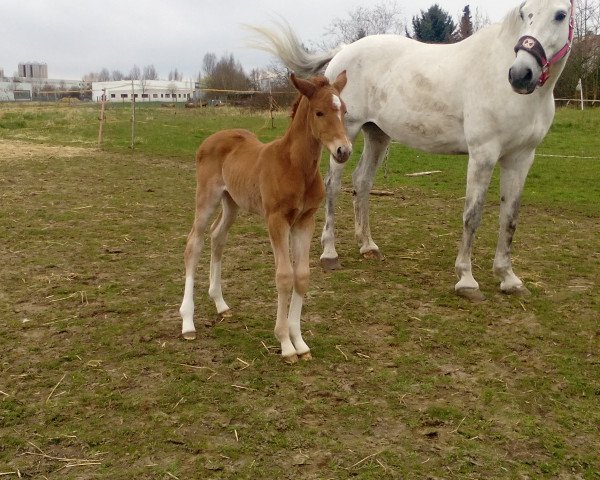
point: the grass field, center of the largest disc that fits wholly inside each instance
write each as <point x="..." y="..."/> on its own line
<point x="407" y="381"/>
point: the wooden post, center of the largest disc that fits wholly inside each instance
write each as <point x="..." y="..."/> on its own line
<point x="102" y="119"/>
<point x="271" y="106"/>
<point x="132" y="116"/>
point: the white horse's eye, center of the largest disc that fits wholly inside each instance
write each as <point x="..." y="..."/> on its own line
<point x="521" y="14"/>
<point x="560" y="16"/>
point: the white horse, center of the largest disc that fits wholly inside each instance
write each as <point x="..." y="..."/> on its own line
<point x="452" y="99"/>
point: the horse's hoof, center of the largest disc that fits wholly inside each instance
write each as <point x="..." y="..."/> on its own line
<point x="372" y="255"/>
<point x="472" y="294"/>
<point x="226" y="314"/>
<point x="189" y="335"/>
<point x="306" y="357"/>
<point x="290" y="359"/>
<point x="330" y="264"/>
<point x="518" y="291"/>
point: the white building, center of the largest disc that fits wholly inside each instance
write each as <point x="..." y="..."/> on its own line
<point x="144" y="91"/>
<point x="15" y="91"/>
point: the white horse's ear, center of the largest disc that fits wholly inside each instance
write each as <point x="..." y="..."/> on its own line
<point x="340" y="81"/>
<point x="305" y="87"/>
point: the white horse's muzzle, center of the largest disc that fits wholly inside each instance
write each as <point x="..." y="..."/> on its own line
<point x="524" y="74"/>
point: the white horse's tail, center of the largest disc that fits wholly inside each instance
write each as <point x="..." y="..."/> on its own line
<point x="284" y="44"/>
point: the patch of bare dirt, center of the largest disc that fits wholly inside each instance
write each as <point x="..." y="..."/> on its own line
<point x="11" y="150"/>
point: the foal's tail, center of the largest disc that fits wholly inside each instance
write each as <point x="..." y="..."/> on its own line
<point x="284" y="44"/>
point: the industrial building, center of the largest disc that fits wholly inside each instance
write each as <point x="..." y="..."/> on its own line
<point x="15" y="91"/>
<point x="144" y="91"/>
<point x="32" y="70"/>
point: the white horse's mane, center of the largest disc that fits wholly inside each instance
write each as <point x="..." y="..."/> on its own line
<point x="512" y="20"/>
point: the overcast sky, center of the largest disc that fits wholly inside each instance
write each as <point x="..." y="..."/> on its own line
<point x="74" y="37"/>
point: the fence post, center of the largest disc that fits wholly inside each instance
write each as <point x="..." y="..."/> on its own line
<point x="132" y="116"/>
<point x="102" y="119"/>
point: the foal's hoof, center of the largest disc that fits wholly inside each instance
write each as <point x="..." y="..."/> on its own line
<point x="330" y="264"/>
<point x="290" y="359"/>
<point x="372" y="255"/>
<point x="518" y="291"/>
<point x="189" y="335"/>
<point x="305" y="357"/>
<point x="472" y="294"/>
<point x="226" y="314"/>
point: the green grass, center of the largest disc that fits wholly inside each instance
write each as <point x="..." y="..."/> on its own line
<point x="408" y="380"/>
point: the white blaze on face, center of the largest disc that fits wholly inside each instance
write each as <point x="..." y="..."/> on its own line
<point x="337" y="104"/>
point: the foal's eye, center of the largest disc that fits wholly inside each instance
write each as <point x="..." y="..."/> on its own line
<point x="319" y="114"/>
<point x="560" y="16"/>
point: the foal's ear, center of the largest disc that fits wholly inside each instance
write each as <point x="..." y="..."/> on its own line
<point x="305" y="87"/>
<point x="340" y="81"/>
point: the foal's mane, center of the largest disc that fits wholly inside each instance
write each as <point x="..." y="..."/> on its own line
<point x="319" y="81"/>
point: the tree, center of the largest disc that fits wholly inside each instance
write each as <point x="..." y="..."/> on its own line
<point x="225" y="74"/>
<point x="587" y="18"/>
<point x="481" y="20"/>
<point x="465" y="26"/>
<point x="117" y="75"/>
<point x="104" y="75"/>
<point x="175" y="76"/>
<point x="363" y="21"/>
<point x="134" y="73"/>
<point x="584" y="61"/>
<point x="208" y="64"/>
<point x="433" y="26"/>
<point x="150" y="73"/>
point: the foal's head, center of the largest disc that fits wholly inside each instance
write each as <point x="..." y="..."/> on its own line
<point x="326" y="112"/>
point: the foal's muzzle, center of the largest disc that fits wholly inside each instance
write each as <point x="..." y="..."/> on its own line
<point x="342" y="153"/>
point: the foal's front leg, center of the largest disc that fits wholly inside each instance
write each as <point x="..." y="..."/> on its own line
<point x="279" y="232"/>
<point x="302" y="233"/>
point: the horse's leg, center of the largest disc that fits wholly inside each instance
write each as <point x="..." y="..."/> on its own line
<point x="479" y="173"/>
<point x="333" y="185"/>
<point x="376" y="144"/>
<point x="279" y="233"/>
<point x="218" y="238"/>
<point x="301" y="234"/>
<point x="206" y="203"/>
<point x="513" y="172"/>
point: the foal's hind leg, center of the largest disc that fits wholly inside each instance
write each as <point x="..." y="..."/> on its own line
<point x="376" y="144"/>
<point x="218" y="238"/>
<point x="206" y="202"/>
<point x="513" y="172"/>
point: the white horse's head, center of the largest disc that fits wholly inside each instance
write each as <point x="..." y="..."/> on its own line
<point x="546" y="33"/>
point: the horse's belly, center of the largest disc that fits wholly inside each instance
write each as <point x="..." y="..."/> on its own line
<point x="430" y="133"/>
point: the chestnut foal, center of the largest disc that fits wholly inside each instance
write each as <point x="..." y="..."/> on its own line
<point x="280" y="181"/>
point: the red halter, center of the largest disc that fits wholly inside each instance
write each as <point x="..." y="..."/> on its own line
<point x="532" y="46"/>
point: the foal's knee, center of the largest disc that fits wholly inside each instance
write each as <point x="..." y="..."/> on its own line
<point x="301" y="282"/>
<point x="284" y="280"/>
